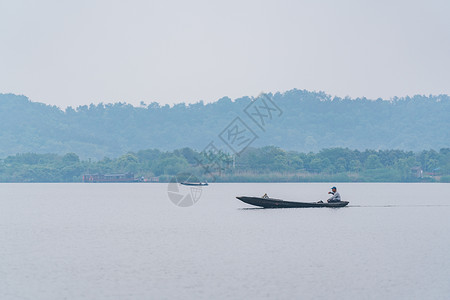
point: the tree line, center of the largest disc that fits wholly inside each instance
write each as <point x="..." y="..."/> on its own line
<point x="254" y="164"/>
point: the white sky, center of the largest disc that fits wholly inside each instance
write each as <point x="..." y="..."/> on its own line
<point x="78" y="52"/>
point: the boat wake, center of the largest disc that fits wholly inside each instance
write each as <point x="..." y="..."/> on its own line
<point x="413" y="205"/>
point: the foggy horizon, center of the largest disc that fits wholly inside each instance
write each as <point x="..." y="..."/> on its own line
<point x="71" y="54"/>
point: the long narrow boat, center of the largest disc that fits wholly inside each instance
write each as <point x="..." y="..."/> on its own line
<point x="194" y="183"/>
<point x="278" y="203"/>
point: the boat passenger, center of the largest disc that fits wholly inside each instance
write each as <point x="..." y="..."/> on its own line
<point x="336" y="196"/>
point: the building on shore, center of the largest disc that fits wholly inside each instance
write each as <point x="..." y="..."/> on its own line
<point x="120" y="177"/>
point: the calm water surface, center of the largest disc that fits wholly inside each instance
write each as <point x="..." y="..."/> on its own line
<point x="128" y="241"/>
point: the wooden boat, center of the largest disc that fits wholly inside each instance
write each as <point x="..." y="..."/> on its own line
<point x="194" y="183"/>
<point x="278" y="203"/>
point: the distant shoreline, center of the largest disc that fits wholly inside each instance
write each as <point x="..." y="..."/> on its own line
<point x="266" y="164"/>
<point x="443" y="179"/>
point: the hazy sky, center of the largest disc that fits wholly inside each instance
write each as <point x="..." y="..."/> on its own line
<point x="78" y="52"/>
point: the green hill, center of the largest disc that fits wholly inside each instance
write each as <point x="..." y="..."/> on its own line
<point x="307" y="121"/>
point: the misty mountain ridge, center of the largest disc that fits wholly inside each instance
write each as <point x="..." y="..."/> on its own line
<point x="295" y="120"/>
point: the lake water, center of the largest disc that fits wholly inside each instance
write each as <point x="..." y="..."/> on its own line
<point x="129" y="241"/>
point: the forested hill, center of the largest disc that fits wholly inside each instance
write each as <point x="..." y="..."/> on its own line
<point x="301" y="120"/>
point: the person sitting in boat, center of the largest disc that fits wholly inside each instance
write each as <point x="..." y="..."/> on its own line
<point x="336" y="196"/>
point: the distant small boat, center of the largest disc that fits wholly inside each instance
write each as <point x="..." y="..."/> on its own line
<point x="278" y="203"/>
<point x="194" y="183"/>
